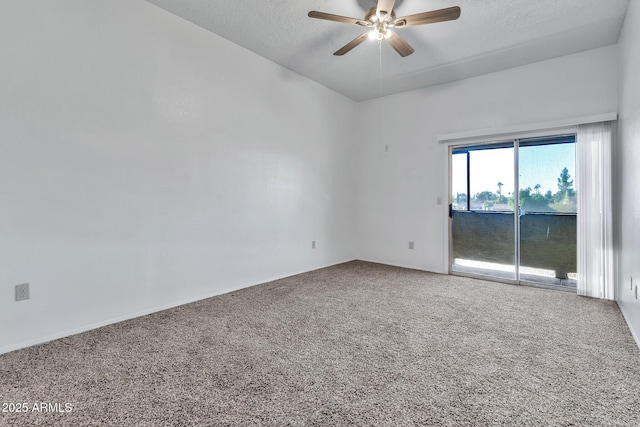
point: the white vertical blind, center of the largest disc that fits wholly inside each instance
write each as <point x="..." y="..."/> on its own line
<point x="595" y="233"/>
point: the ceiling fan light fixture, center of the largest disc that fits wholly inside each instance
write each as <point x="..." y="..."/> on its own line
<point x="382" y="18"/>
<point x="379" y="33"/>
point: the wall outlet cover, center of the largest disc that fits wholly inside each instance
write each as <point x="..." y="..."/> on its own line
<point x="410" y="245"/>
<point x="22" y="292"/>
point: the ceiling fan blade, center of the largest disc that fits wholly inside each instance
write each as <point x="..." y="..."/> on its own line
<point x="441" y="15"/>
<point x="399" y="44"/>
<point x="337" y="18"/>
<point x="353" y="43"/>
<point x="384" y="8"/>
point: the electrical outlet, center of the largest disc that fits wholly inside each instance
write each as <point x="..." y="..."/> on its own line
<point x="439" y="201"/>
<point x="410" y="245"/>
<point x="636" y="291"/>
<point x="313" y="244"/>
<point x="630" y="283"/>
<point x="22" y="292"/>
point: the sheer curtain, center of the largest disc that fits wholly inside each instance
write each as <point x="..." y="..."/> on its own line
<point x="595" y="232"/>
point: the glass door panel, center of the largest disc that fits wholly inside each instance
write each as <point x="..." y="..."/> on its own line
<point x="548" y="211"/>
<point x="483" y="236"/>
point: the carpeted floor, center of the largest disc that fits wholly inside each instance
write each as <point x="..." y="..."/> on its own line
<point x="354" y="344"/>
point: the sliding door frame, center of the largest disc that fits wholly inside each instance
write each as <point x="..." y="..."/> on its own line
<point x="516" y="208"/>
<point x="476" y="142"/>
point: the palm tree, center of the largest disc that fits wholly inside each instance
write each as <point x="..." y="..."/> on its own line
<point x="500" y="199"/>
<point x="537" y="188"/>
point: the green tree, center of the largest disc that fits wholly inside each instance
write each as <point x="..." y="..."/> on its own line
<point x="525" y="196"/>
<point x="565" y="184"/>
<point x="565" y="198"/>
<point x="531" y="202"/>
<point x="486" y="198"/>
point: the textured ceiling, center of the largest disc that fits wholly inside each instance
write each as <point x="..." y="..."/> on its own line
<point x="490" y="35"/>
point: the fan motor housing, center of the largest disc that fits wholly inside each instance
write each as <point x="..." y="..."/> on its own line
<point x="367" y="4"/>
<point x="372" y="12"/>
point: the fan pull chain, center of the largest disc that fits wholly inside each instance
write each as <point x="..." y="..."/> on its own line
<point x="379" y="67"/>
<point x="379" y="136"/>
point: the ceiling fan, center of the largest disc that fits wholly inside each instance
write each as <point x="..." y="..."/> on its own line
<point x="382" y="18"/>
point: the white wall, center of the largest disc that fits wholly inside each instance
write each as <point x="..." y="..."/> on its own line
<point x="397" y="189"/>
<point x="627" y="169"/>
<point x="145" y="162"/>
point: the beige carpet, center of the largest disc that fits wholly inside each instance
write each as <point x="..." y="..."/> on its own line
<point x="354" y="344"/>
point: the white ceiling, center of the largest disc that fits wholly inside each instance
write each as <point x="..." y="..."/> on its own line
<point x="490" y="35"/>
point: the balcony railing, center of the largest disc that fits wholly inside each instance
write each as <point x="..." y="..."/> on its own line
<point x="547" y="240"/>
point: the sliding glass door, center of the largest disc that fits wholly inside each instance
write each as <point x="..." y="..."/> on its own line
<point x="528" y="235"/>
<point x="482" y="210"/>
<point x="548" y="210"/>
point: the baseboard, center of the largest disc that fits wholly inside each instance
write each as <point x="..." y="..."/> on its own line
<point x="634" y="334"/>
<point x="411" y="267"/>
<point x="75" y="331"/>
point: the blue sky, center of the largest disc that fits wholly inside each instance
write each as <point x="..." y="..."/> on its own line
<point x="538" y="165"/>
